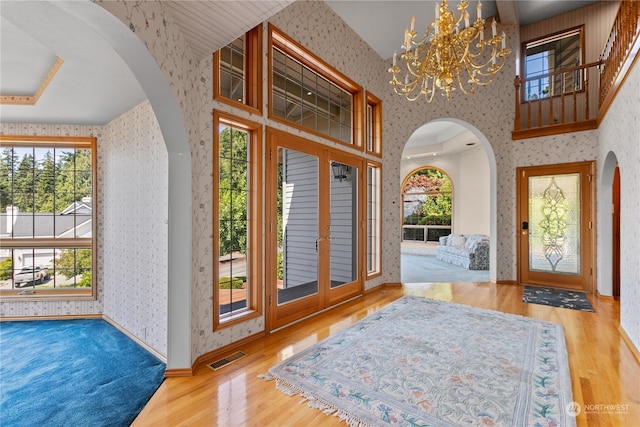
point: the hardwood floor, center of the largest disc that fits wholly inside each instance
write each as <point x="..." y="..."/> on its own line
<point x="603" y="369"/>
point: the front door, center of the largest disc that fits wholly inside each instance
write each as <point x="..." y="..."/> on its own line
<point x="556" y="229"/>
<point x="313" y="243"/>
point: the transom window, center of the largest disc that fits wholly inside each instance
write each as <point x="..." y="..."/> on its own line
<point x="47" y="193"/>
<point x="231" y="63"/>
<point x="548" y="55"/>
<point x="308" y="93"/>
<point x="374" y="125"/>
<point x="238" y="71"/>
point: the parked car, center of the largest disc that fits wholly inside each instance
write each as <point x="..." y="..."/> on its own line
<point x="30" y="274"/>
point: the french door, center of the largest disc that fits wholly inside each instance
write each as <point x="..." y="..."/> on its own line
<point x="556" y="239"/>
<point x="314" y="219"/>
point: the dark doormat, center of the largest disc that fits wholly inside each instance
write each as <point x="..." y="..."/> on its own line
<point x="557" y="298"/>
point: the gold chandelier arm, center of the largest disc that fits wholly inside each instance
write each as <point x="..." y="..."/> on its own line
<point x="446" y="53"/>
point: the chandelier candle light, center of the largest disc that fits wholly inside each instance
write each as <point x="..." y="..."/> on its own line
<point x="450" y="50"/>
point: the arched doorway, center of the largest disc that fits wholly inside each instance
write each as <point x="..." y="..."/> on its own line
<point x="465" y="155"/>
<point x="609" y="226"/>
<point x="95" y="26"/>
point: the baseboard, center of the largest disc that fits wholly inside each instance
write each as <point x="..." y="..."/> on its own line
<point x="134" y="338"/>
<point x="382" y="286"/>
<point x="392" y="285"/>
<point x="212" y="356"/>
<point x="630" y="344"/>
<point x="176" y="373"/>
<point x="604" y="297"/>
<point x="61" y="317"/>
<point x="507" y="282"/>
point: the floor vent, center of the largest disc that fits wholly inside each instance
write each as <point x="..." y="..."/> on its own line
<point x="226" y="360"/>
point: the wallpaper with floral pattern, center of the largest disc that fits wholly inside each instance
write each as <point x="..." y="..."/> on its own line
<point x="488" y="114"/>
<point x="133" y="226"/>
<point x="619" y="134"/>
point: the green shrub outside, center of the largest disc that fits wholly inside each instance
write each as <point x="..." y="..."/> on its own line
<point x="436" y="220"/>
<point x="415" y="219"/>
<point x="85" y="281"/>
<point x="279" y="273"/>
<point x="6" y="269"/>
<point x="231" y="283"/>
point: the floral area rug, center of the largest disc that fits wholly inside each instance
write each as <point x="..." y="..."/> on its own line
<point x="557" y="298"/>
<point x="422" y="362"/>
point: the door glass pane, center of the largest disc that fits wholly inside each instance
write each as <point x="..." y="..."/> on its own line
<point x="554" y="223"/>
<point x="344" y="229"/>
<point x="297" y="208"/>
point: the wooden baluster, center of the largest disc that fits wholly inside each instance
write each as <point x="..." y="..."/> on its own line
<point x="551" y="106"/>
<point x="562" y="99"/>
<point x="540" y="112"/>
<point x="586" y="92"/>
<point x="575" y="105"/>
<point x="575" y="99"/>
<point x="529" y="114"/>
<point x="516" y="121"/>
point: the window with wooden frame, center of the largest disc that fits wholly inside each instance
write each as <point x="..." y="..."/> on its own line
<point x="47" y="231"/>
<point x="237" y="72"/>
<point x="373" y="122"/>
<point x="427" y="205"/>
<point x="307" y="93"/>
<point x="545" y="57"/>
<point x="374" y="220"/>
<point x="237" y="219"/>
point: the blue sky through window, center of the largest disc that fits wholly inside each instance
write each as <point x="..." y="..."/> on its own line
<point x="537" y="64"/>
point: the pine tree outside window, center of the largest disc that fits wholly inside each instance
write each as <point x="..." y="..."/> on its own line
<point x="47" y="202"/>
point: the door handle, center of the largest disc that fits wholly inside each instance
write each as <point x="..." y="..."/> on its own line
<point x="320" y="239"/>
<point x="525" y="228"/>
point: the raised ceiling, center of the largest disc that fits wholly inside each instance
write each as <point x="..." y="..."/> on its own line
<point x="93" y="85"/>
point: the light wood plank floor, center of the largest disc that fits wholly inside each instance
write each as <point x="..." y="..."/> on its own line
<point x="603" y="370"/>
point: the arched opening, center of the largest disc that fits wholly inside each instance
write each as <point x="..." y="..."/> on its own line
<point x="464" y="154"/>
<point x="93" y="25"/>
<point x="609" y="226"/>
<point x="146" y="70"/>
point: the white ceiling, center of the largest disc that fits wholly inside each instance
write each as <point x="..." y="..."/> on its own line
<point x="93" y="85"/>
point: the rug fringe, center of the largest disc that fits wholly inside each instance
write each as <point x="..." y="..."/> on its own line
<point x="314" y="402"/>
<point x="268" y="376"/>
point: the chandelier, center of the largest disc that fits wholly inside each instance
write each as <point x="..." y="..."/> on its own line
<point x="450" y="51"/>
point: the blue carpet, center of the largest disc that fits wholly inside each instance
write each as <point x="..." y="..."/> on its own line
<point x="73" y="373"/>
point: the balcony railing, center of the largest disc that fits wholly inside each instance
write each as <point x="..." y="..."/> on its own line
<point x="576" y="98"/>
<point x="564" y="105"/>
<point x="620" y="52"/>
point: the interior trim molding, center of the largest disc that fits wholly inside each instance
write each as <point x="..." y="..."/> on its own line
<point x="134" y="338"/>
<point x="213" y="355"/>
<point x="57" y="317"/>
<point x="384" y="285"/>
<point x="632" y="348"/>
<point x="176" y="373"/>
<point x="33" y="99"/>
